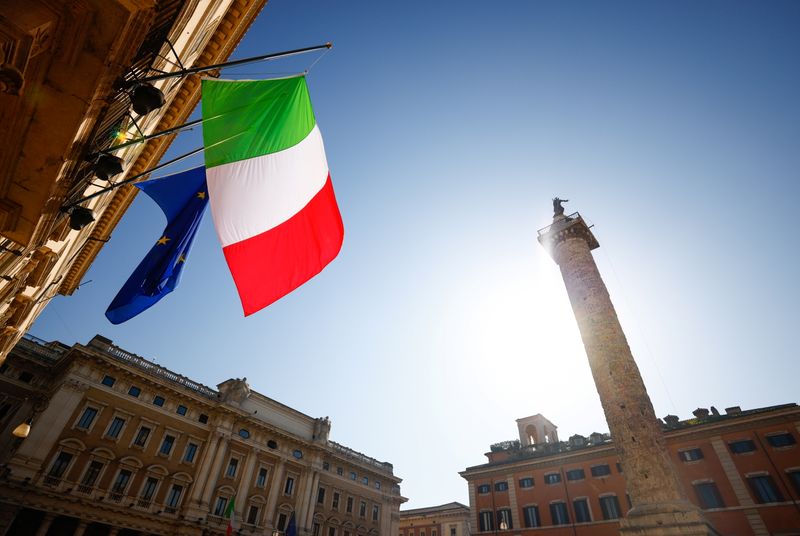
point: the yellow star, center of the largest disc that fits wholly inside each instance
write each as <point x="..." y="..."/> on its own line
<point x="201" y="195"/>
<point x="163" y="240"/>
<point x="181" y="258"/>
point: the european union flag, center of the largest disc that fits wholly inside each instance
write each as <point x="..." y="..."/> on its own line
<point x="183" y="198"/>
<point x="291" y="529"/>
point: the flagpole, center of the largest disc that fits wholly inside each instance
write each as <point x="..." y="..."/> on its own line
<point x="152" y="136"/>
<point x="125" y="84"/>
<point x="68" y="206"/>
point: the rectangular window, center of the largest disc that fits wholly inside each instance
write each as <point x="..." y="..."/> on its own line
<point x="690" y="455"/>
<point x="559" y="513"/>
<point x="60" y="465"/>
<point x="365" y="480"/>
<point x="261" y="479"/>
<point x="252" y="515"/>
<point x="531" y="514"/>
<point x="134" y="391"/>
<point x="486" y="521"/>
<point x="362" y="509"/>
<point x="452" y="531"/>
<point x="581" y="509"/>
<point x="609" y="505"/>
<point x="349" y="508"/>
<point x="321" y="496"/>
<point x="781" y="440"/>
<point x="115" y="427"/>
<point x="158" y="401"/>
<point x="288" y="487"/>
<point x="764" y="489"/>
<point x="376" y="512"/>
<point x="353" y="475"/>
<point x="315" y="529"/>
<point x="281" y="521"/>
<point x="740" y="447"/>
<point x="601" y="470"/>
<point x="174" y="496"/>
<point x="331" y="531"/>
<point x="526" y="482"/>
<point x="121" y="482"/>
<point x="191" y="452"/>
<point x="708" y="495"/>
<point x="576" y="474"/>
<point x="220" y="506"/>
<point x="109" y="380"/>
<point x="148" y="490"/>
<point x="166" y="445"/>
<point x="552" y="478"/>
<point x="501" y="486"/>
<point x="339" y="471"/>
<point x="203" y="418"/>
<point x="233" y="464"/>
<point x="483" y="488"/>
<point x="794" y="478"/>
<point x="335" y="501"/>
<point x="87" y="418"/>
<point x="92" y="472"/>
<point x="181" y="410"/>
<point x="141" y="436"/>
<point x="377" y="484"/>
<point x="504" y="519"/>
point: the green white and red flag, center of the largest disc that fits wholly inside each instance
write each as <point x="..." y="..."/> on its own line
<point x="269" y="186"/>
<point x="229" y="513"/>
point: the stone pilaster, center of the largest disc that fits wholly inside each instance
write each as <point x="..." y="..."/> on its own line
<point x="244" y="484"/>
<point x="45" y="430"/>
<point x="660" y="506"/>
<point x="275" y="491"/>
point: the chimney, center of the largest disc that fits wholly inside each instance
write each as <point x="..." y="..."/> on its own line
<point x="733" y="410"/>
<point x="700" y="413"/>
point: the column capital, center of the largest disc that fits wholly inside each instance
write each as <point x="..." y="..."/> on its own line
<point x="563" y="228"/>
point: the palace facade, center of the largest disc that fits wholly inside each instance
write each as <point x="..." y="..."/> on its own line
<point x="121" y="446"/>
<point x="63" y="65"/>
<point x="451" y="519"/>
<point x="742" y="468"/>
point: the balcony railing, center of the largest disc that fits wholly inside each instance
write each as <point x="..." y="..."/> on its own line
<point x="363" y="458"/>
<point x="39" y="348"/>
<point x="571" y="217"/>
<point x="153" y="369"/>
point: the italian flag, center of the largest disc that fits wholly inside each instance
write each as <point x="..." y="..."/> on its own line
<point x="269" y="186"/>
<point x="232" y="525"/>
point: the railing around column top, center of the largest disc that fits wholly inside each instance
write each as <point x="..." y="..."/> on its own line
<point x="545" y="230"/>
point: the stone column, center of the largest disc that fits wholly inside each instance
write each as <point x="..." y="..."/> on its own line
<point x="244" y="484"/>
<point x="308" y="515"/>
<point x="211" y="481"/>
<point x="305" y="499"/>
<point x="80" y="529"/>
<point x="209" y="452"/>
<point x="660" y="506"/>
<point x="44" y="526"/>
<point x="275" y="491"/>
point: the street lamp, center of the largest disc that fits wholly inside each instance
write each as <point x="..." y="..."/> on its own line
<point x="23" y="429"/>
<point x="503" y="525"/>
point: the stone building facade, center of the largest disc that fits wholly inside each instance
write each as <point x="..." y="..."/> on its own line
<point x="121" y="446"/>
<point x="451" y="519"/>
<point x="60" y="104"/>
<point x="741" y="468"/>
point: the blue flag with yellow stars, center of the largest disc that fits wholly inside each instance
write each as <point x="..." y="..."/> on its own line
<point x="183" y="198"/>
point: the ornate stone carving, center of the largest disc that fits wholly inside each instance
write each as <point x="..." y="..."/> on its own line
<point x="234" y="391"/>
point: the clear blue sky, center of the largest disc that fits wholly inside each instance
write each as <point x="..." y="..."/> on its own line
<point x="674" y="127"/>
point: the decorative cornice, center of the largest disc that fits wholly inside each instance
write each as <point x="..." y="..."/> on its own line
<point x="229" y="32"/>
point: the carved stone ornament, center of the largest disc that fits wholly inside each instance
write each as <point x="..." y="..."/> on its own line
<point x="234" y="391"/>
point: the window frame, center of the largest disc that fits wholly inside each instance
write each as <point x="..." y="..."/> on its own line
<point x="714" y="495"/>
<point x="609" y="498"/>
<point x="788" y="434"/>
<point x="556" y="520"/>
<point x="537" y="516"/>
<point x="585" y="501"/>
<point x="97" y="408"/>
<point x="687" y="455"/>
<point x="749" y="441"/>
